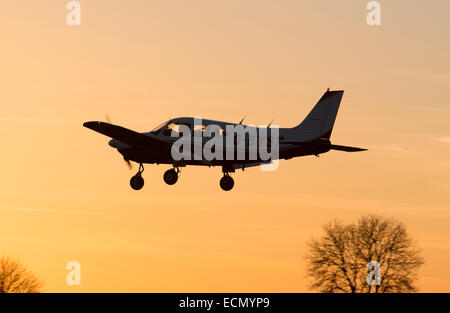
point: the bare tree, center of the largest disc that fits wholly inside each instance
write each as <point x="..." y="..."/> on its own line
<point x="338" y="262"/>
<point x="15" y="278"/>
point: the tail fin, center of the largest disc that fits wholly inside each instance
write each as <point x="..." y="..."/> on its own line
<point x="319" y="122"/>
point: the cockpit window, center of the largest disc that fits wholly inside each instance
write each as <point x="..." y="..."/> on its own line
<point x="173" y="128"/>
<point x="158" y="128"/>
<point x="200" y="128"/>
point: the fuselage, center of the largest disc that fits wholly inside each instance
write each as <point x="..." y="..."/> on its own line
<point x="287" y="144"/>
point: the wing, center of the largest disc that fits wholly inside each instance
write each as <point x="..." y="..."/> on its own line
<point x="122" y="134"/>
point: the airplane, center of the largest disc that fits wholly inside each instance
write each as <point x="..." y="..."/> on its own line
<point x="310" y="137"/>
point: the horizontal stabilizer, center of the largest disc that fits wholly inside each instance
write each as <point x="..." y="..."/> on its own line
<point x="346" y="148"/>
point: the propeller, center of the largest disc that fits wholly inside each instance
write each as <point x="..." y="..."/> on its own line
<point x="130" y="165"/>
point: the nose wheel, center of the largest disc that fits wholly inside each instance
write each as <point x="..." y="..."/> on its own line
<point x="226" y="182"/>
<point x="137" y="181"/>
<point x="171" y="176"/>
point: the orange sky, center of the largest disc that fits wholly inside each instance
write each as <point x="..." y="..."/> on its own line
<point x="65" y="193"/>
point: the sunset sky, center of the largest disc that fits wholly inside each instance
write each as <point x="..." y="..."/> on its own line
<point x="65" y="194"/>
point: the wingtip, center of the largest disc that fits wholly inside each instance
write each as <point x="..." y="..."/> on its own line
<point x="91" y="123"/>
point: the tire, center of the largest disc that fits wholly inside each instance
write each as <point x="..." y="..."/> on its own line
<point x="227" y="183"/>
<point x="137" y="182"/>
<point x="170" y="177"/>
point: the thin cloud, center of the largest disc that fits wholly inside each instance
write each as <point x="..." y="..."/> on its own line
<point x="444" y="139"/>
<point x="394" y="147"/>
<point x="45" y="210"/>
<point x="37" y="120"/>
<point x="430" y="109"/>
<point x="423" y="75"/>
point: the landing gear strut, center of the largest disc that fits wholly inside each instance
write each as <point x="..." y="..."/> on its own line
<point x="226" y="182"/>
<point x="171" y="176"/>
<point x="137" y="182"/>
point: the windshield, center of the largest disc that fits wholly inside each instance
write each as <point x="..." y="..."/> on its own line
<point x="158" y="128"/>
<point x="173" y="129"/>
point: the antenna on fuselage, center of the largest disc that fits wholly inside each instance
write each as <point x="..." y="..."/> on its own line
<point x="268" y="126"/>
<point x="240" y="123"/>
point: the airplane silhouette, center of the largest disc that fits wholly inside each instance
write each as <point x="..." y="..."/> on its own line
<point x="310" y="137"/>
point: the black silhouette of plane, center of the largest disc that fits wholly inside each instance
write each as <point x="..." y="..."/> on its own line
<point x="310" y="137"/>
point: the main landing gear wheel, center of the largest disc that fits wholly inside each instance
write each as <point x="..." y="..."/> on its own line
<point x="137" y="181"/>
<point x="171" y="176"/>
<point x="227" y="182"/>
